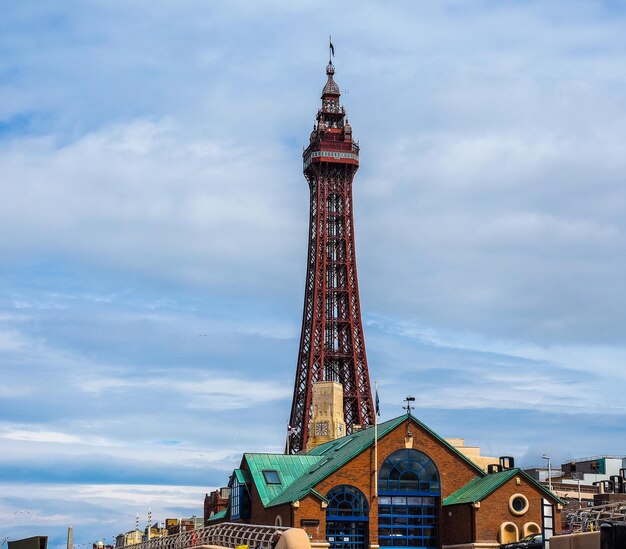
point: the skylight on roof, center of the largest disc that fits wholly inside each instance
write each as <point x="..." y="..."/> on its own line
<point x="271" y="476"/>
<point x="320" y="464"/>
<point x="343" y="443"/>
<point x="327" y="449"/>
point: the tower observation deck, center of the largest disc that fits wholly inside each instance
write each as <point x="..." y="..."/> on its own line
<point x="332" y="347"/>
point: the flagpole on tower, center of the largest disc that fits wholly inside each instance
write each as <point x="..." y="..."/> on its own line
<point x="376" y="414"/>
<point x="331" y="49"/>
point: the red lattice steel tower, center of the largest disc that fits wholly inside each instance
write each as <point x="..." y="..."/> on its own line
<point x="331" y="345"/>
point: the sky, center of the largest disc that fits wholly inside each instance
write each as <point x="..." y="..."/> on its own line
<point x="153" y="233"/>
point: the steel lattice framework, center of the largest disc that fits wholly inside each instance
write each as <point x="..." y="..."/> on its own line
<point x="331" y="345"/>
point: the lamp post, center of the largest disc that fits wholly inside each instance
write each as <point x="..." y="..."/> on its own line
<point x="547" y="457"/>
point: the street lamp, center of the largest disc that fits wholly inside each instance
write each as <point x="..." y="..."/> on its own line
<point x="546" y="456"/>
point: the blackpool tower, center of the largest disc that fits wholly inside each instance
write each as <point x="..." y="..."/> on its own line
<point x="332" y="347"/>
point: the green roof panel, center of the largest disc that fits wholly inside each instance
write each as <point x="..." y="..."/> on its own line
<point x="217" y="516"/>
<point x="478" y="489"/>
<point x="243" y="476"/>
<point x="289" y="469"/>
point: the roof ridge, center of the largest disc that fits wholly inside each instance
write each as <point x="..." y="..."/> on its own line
<point x="480" y="487"/>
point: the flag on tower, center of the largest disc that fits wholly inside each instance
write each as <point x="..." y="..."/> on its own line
<point x="377" y="403"/>
<point x="332" y="48"/>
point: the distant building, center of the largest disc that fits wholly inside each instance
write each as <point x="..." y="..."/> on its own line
<point x="595" y="468"/>
<point x="129" y="538"/>
<point x="215" y="502"/>
<point x="176" y="526"/>
<point x="157" y="530"/>
<point x="36" y="542"/>
<point x="587" y="481"/>
<point x="473" y="452"/>
<point x="101" y="545"/>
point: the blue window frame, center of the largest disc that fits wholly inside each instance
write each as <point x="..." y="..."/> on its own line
<point x="239" y="501"/>
<point x="408" y="502"/>
<point x="346" y="501"/>
<point x="235" y="499"/>
<point x="347" y="518"/>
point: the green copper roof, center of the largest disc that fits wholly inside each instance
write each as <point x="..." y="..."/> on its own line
<point x="289" y="468"/>
<point x="217" y="516"/>
<point x="478" y="489"/>
<point x="335" y="454"/>
<point x="243" y="476"/>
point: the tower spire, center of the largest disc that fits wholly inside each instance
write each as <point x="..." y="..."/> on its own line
<point x="332" y="347"/>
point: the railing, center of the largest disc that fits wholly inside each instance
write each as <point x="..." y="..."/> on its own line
<point x="330" y="154"/>
<point x="226" y="534"/>
<point x="567" y="487"/>
<point x="593" y="458"/>
<point x="589" y="519"/>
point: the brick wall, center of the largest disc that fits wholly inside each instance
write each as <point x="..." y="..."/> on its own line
<point x="457" y="525"/>
<point x="311" y="509"/>
<point x="260" y="515"/>
<point x="494" y="509"/>
<point x="213" y="503"/>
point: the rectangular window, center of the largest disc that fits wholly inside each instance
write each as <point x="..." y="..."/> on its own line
<point x="235" y="500"/>
<point x="239" y="501"/>
<point x="271" y="477"/>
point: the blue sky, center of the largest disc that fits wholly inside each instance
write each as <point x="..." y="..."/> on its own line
<point x="153" y="228"/>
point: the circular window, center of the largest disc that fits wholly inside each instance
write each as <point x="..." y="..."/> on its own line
<point x="518" y="504"/>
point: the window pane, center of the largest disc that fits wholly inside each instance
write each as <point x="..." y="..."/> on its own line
<point x="271" y="477"/>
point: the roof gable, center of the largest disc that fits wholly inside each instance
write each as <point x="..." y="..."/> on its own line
<point x="336" y="453"/>
<point x="289" y="469"/>
<point x="478" y="489"/>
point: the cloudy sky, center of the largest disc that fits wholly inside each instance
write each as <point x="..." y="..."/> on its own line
<point x="153" y="231"/>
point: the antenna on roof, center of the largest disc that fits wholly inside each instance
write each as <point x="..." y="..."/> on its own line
<point x="408" y="406"/>
<point x="408" y="409"/>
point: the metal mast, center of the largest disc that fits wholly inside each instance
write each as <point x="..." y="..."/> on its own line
<point x="331" y="345"/>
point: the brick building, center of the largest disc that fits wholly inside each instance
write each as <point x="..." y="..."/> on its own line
<point x="422" y="493"/>
<point x="215" y="502"/>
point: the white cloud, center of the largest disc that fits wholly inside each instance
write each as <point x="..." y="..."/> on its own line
<point x="11" y="340"/>
<point x="40" y="436"/>
<point x="211" y="390"/>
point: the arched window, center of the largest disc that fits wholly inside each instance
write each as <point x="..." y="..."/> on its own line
<point x="347" y="518"/>
<point x="346" y="501"/>
<point x="408" y="471"/>
<point x="408" y="502"/>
